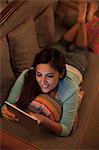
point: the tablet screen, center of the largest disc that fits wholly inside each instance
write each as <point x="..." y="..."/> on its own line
<point x="24" y="118"/>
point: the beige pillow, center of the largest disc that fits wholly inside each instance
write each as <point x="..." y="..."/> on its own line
<point x="23" y="45"/>
<point x="45" y="27"/>
<point x="7" y="77"/>
<point x="3" y="4"/>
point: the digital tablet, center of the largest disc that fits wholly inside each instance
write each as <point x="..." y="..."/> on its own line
<point x="24" y="118"/>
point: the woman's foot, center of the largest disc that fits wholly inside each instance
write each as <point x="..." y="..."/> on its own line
<point x="82" y="9"/>
<point x="81" y="39"/>
<point x="92" y="9"/>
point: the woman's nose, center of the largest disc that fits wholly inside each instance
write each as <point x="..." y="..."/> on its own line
<point x="44" y="80"/>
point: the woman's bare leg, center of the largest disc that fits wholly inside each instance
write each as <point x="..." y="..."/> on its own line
<point x="81" y="40"/>
<point x="92" y="9"/>
<point x="71" y="34"/>
<point x="82" y="10"/>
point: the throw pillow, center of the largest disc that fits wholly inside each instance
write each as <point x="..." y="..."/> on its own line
<point x="93" y="35"/>
<point x="23" y="45"/>
<point x="48" y="106"/>
<point x="45" y="27"/>
<point x="7" y="77"/>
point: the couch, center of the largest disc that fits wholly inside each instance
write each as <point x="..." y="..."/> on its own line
<point x="26" y="27"/>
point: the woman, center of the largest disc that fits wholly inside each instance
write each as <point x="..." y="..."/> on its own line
<point x="57" y="76"/>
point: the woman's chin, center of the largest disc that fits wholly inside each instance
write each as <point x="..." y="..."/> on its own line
<point x="45" y="91"/>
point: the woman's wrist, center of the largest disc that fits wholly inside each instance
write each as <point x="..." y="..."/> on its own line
<point x="53" y="126"/>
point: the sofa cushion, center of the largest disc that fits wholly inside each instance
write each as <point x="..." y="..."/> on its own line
<point x="3" y="4"/>
<point x="7" y="77"/>
<point x="45" y="27"/>
<point x="67" y="13"/>
<point x="23" y="45"/>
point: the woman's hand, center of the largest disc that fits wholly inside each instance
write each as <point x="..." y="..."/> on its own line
<point x="7" y="114"/>
<point x="38" y="117"/>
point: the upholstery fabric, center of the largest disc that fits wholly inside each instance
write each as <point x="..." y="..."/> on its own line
<point x="45" y="29"/>
<point x="3" y="4"/>
<point x="6" y="73"/>
<point x="23" y="45"/>
<point x="70" y="17"/>
<point x="67" y="12"/>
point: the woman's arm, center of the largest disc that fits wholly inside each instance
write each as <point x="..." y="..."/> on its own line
<point x="52" y="126"/>
<point x="7" y="114"/>
<point x="16" y="89"/>
<point x="70" y="107"/>
<point x="12" y="98"/>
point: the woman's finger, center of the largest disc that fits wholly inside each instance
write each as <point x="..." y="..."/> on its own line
<point x="7" y="112"/>
<point x="8" y="115"/>
<point x="10" y="118"/>
<point x="33" y="115"/>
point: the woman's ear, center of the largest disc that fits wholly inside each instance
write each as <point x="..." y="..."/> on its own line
<point x="63" y="74"/>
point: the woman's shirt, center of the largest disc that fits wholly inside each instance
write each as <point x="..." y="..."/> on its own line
<point x="67" y="93"/>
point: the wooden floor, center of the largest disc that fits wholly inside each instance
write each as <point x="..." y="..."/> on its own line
<point x="9" y="141"/>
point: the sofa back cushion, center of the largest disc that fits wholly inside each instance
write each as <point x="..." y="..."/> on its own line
<point x="7" y="77"/>
<point x="45" y="27"/>
<point x="23" y="45"/>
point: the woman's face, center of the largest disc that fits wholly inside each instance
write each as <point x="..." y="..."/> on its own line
<point x="47" y="77"/>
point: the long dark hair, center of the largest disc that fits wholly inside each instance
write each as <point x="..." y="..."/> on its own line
<point x="31" y="88"/>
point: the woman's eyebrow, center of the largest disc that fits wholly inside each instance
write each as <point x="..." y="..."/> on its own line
<point x="52" y="73"/>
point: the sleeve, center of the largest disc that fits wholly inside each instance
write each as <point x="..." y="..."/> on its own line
<point x="70" y="107"/>
<point x="16" y="89"/>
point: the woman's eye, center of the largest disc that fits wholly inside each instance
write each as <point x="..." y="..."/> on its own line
<point x="38" y="75"/>
<point x="50" y="76"/>
<point x="46" y="76"/>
